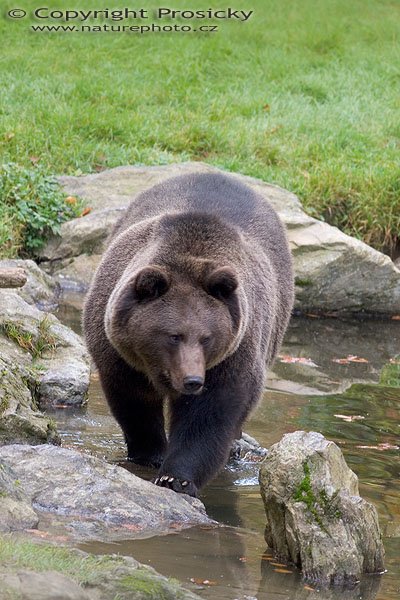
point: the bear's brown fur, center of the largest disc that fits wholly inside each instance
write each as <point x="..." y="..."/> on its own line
<point x="190" y="303"/>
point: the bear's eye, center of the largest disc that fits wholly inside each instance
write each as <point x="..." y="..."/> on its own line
<point x="204" y="341"/>
<point x="174" y="339"/>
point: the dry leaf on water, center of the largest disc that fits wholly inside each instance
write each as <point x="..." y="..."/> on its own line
<point x="285" y="358"/>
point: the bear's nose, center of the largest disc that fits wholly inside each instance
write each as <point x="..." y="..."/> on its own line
<point x="192" y="383"/>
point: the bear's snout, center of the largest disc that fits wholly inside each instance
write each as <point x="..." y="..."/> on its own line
<point x="193" y="384"/>
<point x="187" y="368"/>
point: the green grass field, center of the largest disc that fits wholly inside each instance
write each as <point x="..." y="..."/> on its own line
<point x="305" y="94"/>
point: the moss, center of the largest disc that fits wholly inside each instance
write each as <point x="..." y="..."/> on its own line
<point x="319" y="505"/>
<point x="144" y="582"/>
<point x="4" y="404"/>
<point x="302" y="282"/>
<point x="141" y="581"/>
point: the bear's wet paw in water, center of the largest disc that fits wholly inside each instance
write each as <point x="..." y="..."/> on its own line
<point x="182" y="486"/>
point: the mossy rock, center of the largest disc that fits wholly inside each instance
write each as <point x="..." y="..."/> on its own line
<point x="25" y="564"/>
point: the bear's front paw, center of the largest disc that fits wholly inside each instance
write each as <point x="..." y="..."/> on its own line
<point x="181" y="486"/>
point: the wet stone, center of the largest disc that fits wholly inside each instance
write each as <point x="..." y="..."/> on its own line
<point x="112" y="501"/>
<point x="315" y="517"/>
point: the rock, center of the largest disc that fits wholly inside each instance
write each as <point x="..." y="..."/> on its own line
<point x="75" y="575"/>
<point x="334" y="272"/>
<point x="53" y="355"/>
<point x="20" y="421"/>
<point x="16" y="511"/>
<point x="315" y="517"/>
<point x="107" y="498"/>
<point x="11" y="277"/>
<point x="47" y="585"/>
<point x="38" y="288"/>
<point x="247" y="449"/>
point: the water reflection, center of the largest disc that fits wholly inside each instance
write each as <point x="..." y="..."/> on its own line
<point x="364" y="421"/>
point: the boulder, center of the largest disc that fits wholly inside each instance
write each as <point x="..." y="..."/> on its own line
<point x="36" y="342"/>
<point x="246" y="449"/>
<point x="334" y="272"/>
<point x="20" y="420"/>
<point x="315" y="517"/>
<point x="12" y="277"/>
<point x="96" y="499"/>
<point x="37" y="287"/>
<point x="16" y="511"/>
<point x="71" y="574"/>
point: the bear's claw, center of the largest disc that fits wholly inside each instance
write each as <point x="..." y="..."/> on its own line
<point x="177" y="485"/>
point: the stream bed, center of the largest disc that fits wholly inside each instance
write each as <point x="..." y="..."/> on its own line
<point x="327" y="380"/>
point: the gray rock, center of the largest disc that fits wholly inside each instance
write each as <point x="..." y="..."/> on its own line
<point x="111" y="500"/>
<point x="53" y="355"/>
<point x="102" y="578"/>
<point x="315" y="517"/>
<point x="247" y="449"/>
<point x="11" y="277"/>
<point x="47" y="585"/>
<point x="334" y="272"/>
<point x="16" y="511"/>
<point x="20" y="421"/>
<point x="40" y="289"/>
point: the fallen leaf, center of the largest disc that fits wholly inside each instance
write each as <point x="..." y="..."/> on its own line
<point x="266" y="107"/>
<point x="350" y="418"/>
<point x="71" y="200"/>
<point x="282" y="571"/>
<point x="34" y="159"/>
<point x="199" y="581"/>
<point x="351" y="358"/>
<point x="381" y="447"/>
<point x="307" y="587"/>
<point x="395" y="318"/>
<point x="9" y="135"/>
<point x="86" y="211"/>
<point x="285" y="358"/>
<point x="47" y="535"/>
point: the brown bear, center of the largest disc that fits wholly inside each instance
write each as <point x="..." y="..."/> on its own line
<point x="189" y="304"/>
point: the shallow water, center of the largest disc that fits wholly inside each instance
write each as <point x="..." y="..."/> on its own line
<point x="364" y="422"/>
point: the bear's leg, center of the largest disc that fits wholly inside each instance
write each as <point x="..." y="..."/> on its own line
<point x="138" y="409"/>
<point x="203" y="428"/>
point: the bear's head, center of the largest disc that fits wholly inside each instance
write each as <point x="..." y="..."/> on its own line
<point x="174" y="327"/>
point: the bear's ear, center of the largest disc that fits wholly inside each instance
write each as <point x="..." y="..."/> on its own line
<point x="221" y="283"/>
<point x="150" y="283"/>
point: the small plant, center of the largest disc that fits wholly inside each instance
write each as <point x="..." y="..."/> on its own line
<point x="37" y="344"/>
<point x="320" y="505"/>
<point x="32" y="206"/>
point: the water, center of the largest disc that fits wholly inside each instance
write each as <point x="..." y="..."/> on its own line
<point x="233" y="562"/>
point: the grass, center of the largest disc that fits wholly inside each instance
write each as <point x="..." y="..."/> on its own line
<point x="304" y="95"/>
<point x="36" y="344"/>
